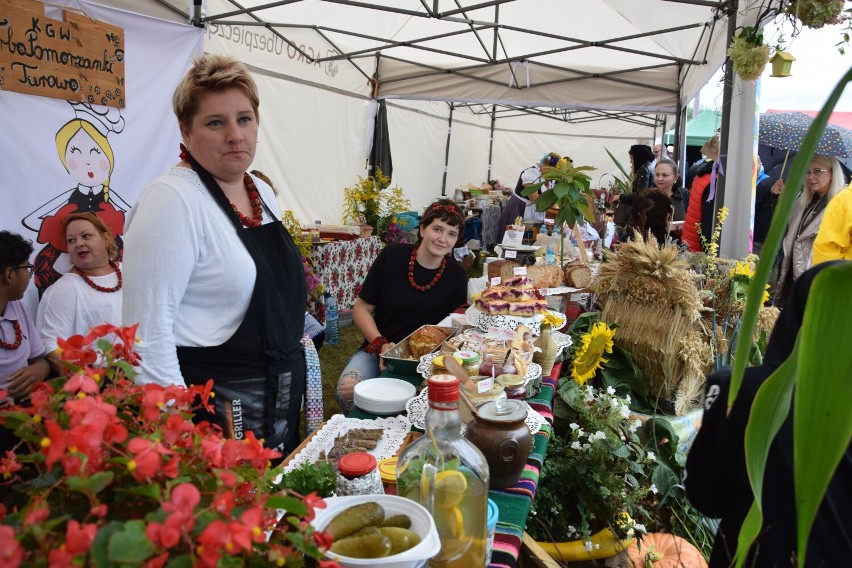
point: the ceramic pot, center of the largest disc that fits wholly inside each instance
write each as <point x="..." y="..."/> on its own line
<point x="504" y="439"/>
<point x="547" y="355"/>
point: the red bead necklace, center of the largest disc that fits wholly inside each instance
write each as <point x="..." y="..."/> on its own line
<point x="103" y="289"/>
<point x="19" y="336"/>
<point x="434" y="281"/>
<point x="256" y="220"/>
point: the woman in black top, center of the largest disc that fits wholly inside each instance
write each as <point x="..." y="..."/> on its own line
<point x="408" y="286"/>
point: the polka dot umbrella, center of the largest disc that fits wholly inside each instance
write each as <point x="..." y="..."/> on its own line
<point x="787" y="130"/>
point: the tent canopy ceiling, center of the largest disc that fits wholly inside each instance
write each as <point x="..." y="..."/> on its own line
<point x="608" y="56"/>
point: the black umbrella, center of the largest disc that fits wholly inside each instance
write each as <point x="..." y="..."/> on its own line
<point x="380" y="154"/>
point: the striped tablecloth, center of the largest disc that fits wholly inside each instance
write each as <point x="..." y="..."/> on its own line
<point x="514" y="502"/>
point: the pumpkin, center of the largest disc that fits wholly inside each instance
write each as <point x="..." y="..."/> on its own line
<point x="663" y="550"/>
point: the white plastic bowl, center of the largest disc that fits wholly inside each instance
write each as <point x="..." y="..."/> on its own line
<point x="421" y="523"/>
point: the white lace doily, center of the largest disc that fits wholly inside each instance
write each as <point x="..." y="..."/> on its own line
<point x="416" y="409"/>
<point x="484" y="321"/>
<point x="425" y="367"/>
<point x="396" y="428"/>
<point x="562" y="340"/>
<point x="472" y="340"/>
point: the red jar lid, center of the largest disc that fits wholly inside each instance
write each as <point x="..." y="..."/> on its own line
<point x="356" y="464"/>
<point x="443" y="388"/>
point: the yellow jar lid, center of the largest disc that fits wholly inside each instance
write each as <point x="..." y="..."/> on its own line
<point x="387" y="470"/>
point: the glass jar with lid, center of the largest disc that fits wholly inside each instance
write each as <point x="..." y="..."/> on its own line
<point x="357" y="475"/>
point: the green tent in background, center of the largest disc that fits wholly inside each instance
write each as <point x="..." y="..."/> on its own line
<point x="700" y="128"/>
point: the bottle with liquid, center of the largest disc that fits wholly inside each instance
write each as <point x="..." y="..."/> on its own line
<point x="550" y="257"/>
<point x="332" y="324"/>
<point x="448" y="475"/>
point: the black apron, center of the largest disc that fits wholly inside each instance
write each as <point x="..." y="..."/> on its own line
<point x="259" y="372"/>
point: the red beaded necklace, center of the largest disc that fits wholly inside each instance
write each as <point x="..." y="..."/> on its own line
<point x="88" y="280"/>
<point x="256" y="220"/>
<point x="19" y="336"/>
<point x="434" y="281"/>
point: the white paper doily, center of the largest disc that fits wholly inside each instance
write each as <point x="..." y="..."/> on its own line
<point x="484" y="321"/>
<point x="472" y="338"/>
<point x="416" y="409"/>
<point x="425" y="368"/>
<point x="396" y="428"/>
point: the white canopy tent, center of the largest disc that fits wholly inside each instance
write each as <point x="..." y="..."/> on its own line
<point x="541" y="75"/>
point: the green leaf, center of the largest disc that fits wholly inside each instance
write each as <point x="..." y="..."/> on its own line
<point x="545" y="201"/>
<point x="100" y="557"/>
<point x="532" y="188"/>
<point x="822" y="423"/>
<point x="289" y="504"/>
<point x="130" y="545"/>
<point x="151" y="491"/>
<point x="182" y="561"/>
<point x="93" y="484"/>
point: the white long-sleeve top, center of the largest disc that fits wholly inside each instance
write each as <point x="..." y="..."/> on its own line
<point x="71" y="307"/>
<point x="188" y="279"/>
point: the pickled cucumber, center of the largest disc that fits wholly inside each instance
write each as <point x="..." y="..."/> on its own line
<point x="401" y="521"/>
<point x="355" y="518"/>
<point x="401" y="539"/>
<point x="366" y="546"/>
<point x="366" y="531"/>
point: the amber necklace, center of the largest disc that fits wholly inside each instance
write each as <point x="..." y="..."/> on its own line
<point x="434" y="281"/>
<point x="19" y="336"/>
<point x="103" y="289"/>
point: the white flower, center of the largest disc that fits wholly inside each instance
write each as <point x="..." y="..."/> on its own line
<point x="580" y="433"/>
<point x="653" y="489"/>
<point x="587" y="446"/>
<point x="588" y="545"/>
<point x="610" y="390"/>
<point x="625" y="411"/>
<point x="599" y="435"/>
<point x="571" y="530"/>
<point x="635" y="425"/>
<point x="574" y="425"/>
<point x="554" y="510"/>
<point x="640" y="527"/>
<point x="652" y="457"/>
<point x="575" y="445"/>
<point x="597" y="547"/>
<point x="627" y="398"/>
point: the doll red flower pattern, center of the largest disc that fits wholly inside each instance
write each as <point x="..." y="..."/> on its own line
<point x="110" y="472"/>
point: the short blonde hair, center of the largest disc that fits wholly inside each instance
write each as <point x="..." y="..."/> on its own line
<point x="212" y="73"/>
<point x="100" y="226"/>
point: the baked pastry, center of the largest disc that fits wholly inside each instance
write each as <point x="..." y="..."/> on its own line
<point x="425" y="340"/>
<point x="515" y="298"/>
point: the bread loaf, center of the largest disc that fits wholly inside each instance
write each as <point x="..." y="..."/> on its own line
<point x="547" y="276"/>
<point x="425" y="340"/>
<point x="505" y="269"/>
<point x="577" y="275"/>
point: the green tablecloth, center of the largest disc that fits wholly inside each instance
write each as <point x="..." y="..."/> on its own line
<point x="514" y="502"/>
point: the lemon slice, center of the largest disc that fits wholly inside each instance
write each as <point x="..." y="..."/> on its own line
<point x="450" y="487"/>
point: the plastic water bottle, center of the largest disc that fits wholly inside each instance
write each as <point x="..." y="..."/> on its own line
<point x="332" y="324"/>
<point x="550" y="257"/>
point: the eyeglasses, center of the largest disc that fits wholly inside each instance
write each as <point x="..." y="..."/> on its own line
<point x="29" y="268"/>
<point x="816" y="172"/>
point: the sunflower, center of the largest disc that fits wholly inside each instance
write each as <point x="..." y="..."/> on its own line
<point x="589" y="356"/>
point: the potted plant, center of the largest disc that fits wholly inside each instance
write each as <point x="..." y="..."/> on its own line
<point x="570" y="191"/>
<point x="594" y="479"/>
<point x="816" y="13"/>
<point x="111" y="473"/>
<point x="748" y="53"/>
<point x="370" y="203"/>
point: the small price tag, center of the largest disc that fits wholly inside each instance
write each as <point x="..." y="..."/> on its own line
<point x="485" y="385"/>
<point x="496" y="281"/>
<point x="510" y="254"/>
<point x="519" y="271"/>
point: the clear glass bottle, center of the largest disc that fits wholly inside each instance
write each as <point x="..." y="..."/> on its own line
<point x="448" y="475"/>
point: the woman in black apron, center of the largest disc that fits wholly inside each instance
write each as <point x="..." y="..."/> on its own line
<point x="258" y="371"/>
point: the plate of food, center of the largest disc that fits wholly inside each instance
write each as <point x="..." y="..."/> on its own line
<point x="485" y="321"/>
<point x="381" y="437"/>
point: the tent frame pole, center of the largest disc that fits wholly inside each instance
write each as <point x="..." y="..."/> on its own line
<point x="447" y="152"/>
<point x="727" y="96"/>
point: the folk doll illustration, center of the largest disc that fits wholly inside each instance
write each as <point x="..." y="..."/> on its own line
<point x="87" y="156"/>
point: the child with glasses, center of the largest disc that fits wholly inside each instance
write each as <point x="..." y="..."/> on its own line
<point x="22" y="362"/>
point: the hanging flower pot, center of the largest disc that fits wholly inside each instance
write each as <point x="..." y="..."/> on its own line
<point x="816" y="13"/>
<point x="748" y="54"/>
<point x="782" y="63"/>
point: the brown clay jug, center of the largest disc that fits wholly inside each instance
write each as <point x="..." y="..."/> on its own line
<point x="502" y="436"/>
